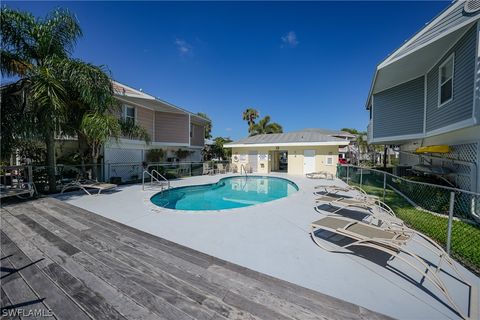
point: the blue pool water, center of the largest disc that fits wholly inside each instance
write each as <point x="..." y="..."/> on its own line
<point x="227" y="193"/>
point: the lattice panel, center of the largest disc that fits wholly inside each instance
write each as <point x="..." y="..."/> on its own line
<point x="124" y="163"/>
<point x="408" y="159"/>
<point x="464" y="152"/>
<point x="465" y="176"/>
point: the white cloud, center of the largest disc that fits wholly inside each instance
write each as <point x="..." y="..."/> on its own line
<point x="184" y="48"/>
<point x="289" y="40"/>
<point x="228" y="129"/>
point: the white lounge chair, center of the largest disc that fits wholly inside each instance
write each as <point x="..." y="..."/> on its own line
<point x="220" y="168"/>
<point x="393" y="243"/>
<point x="320" y="175"/>
<point x="333" y="189"/>
<point x="22" y="191"/>
<point x="85" y="184"/>
<point x="378" y="210"/>
<point x="207" y="169"/>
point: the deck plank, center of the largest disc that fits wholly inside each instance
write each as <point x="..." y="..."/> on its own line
<point x="18" y="291"/>
<point x="302" y="308"/>
<point x="6" y="304"/>
<point x="161" y="283"/>
<point x="126" y="280"/>
<point x="267" y="288"/>
<point x="63" y="306"/>
<point x="107" y="270"/>
<point x="125" y="305"/>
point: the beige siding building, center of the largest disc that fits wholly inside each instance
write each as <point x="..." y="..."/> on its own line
<point x="295" y="153"/>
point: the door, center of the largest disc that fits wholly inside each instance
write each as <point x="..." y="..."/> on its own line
<point x="308" y="161"/>
<point x="253" y="160"/>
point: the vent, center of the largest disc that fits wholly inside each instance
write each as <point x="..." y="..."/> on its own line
<point x="471" y="6"/>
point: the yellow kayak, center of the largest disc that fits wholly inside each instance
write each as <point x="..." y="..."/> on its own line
<point x="433" y="149"/>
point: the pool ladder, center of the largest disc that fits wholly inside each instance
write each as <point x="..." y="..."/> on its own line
<point x="242" y="167"/>
<point x="154" y="180"/>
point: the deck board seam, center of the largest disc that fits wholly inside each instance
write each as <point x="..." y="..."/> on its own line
<point x="45" y="275"/>
<point x="118" y="261"/>
<point x="226" y="291"/>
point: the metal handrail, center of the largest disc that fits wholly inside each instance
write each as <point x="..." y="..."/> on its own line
<point x="152" y="177"/>
<point x="242" y="166"/>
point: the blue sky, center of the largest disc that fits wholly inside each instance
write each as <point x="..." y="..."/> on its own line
<point x="305" y="64"/>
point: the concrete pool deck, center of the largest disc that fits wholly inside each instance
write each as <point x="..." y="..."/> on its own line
<point x="273" y="238"/>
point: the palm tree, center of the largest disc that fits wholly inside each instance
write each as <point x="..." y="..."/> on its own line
<point x="362" y="144"/>
<point x="250" y="115"/>
<point x="98" y="128"/>
<point x="264" y="126"/>
<point x="38" y="51"/>
<point x="208" y="126"/>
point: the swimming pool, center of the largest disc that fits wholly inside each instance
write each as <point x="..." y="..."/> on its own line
<point x="227" y="193"/>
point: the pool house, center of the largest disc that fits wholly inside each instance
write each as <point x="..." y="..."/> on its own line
<point x="295" y="153"/>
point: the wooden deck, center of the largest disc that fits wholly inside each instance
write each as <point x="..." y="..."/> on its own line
<point x="80" y="265"/>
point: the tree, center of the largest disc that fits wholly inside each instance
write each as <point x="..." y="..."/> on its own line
<point x="362" y="144"/>
<point x="264" y="126"/>
<point x="155" y="155"/>
<point x="54" y="85"/>
<point x="351" y="130"/>
<point x="182" y="154"/>
<point x="98" y="128"/>
<point x="219" y="151"/>
<point x="208" y="126"/>
<point x="250" y="115"/>
<point x="131" y="130"/>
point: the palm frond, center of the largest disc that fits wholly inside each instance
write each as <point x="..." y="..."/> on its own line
<point x="98" y="128"/>
<point x="134" y="131"/>
<point x="63" y="29"/>
<point x="48" y="97"/>
<point x="90" y="83"/>
<point x="12" y="64"/>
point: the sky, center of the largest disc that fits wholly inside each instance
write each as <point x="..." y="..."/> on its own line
<point x="307" y="65"/>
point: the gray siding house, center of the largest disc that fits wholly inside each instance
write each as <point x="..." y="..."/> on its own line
<point x="427" y="93"/>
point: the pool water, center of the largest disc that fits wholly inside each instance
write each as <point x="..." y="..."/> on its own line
<point x="227" y="193"/>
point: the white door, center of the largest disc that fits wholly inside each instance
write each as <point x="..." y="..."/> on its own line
<point x="253" y="160"/>
<point x="308" y="161"/>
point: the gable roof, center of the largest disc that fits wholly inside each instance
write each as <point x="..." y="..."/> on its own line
<point x="127" y="94"/>
<point x="297" y="138"/>
<point x="328" y="132"/>
<point x="413" y="58"/>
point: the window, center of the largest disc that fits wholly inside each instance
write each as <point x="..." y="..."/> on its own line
<point x="329" y="161"/>
<point x="445" y="81"/>
<point x="191" y="130"/>
<point x="129" y="114"/>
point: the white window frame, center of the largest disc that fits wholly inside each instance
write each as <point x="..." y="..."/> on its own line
<point x="452" y="58"/>
<point x="326" y="161"/>
<point x="124" y="116"/>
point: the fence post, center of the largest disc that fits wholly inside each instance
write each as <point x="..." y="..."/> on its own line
<point x="30" y="174"/>
<point x="361" y="177"/>
<point x="384" y="184"/>
<point x="450" y="221"/>
<point x="348" y="172"/>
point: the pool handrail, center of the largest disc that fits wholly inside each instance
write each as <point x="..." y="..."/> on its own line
<point x="152" y="177"/>
<point x="242" y="166"/>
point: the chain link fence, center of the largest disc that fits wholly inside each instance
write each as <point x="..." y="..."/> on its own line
<point x="448" y="215"/>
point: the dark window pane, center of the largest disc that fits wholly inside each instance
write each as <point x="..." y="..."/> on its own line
<point x="446" y="91"/>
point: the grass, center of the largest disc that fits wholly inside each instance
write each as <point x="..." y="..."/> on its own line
<point x="465" y="245"/>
